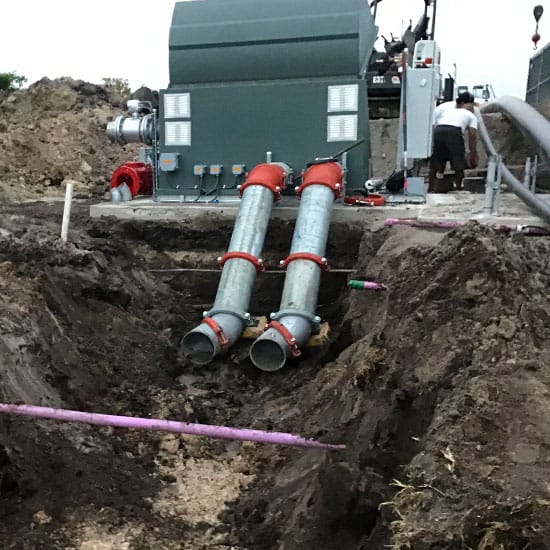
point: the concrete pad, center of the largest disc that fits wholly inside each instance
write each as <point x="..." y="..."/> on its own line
<point x="459" y="206"/>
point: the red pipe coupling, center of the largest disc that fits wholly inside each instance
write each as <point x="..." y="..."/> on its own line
<point x="218" y="331"/>
<point x="329" y="174"/>
<point x="138" y="176"/>
<point x="321" y="262"/>
<point x="287" y="335"/>
<point x="256" y="262"/>
<point x="271" y="176"/>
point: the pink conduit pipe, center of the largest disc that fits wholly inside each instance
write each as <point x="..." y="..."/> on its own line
<point x="217" y="432"/>
<point x="368" y="285"/>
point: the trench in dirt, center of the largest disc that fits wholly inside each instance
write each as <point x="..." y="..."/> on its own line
<point x="87" y="325"/>
<point x="94" y="329"/>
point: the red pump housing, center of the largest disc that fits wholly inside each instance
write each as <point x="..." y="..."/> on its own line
<point x="138" y="176"/>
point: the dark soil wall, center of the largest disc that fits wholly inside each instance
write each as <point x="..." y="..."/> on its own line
<point x="442" y="396"/>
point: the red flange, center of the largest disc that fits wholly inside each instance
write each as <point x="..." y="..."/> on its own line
<point x="138" y="176"/>
<point x="375" y="200"/>
<point x="369" y="200"/>
<point x="242" y="256"/>
<point x="218" y="331"/>
<point x="287" y="335"/>
<point x="329" y="174"/>
<point x="270" y="176"/>
<point x="321" y="262"/>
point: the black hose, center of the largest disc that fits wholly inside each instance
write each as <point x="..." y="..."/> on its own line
<point x="214" y="188"/>
<point x="535" y="203"/>
<point x="201" y="178"/>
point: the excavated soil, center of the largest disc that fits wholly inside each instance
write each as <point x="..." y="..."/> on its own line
<point x="439" y="387"/>
<point x="54" y="132"/>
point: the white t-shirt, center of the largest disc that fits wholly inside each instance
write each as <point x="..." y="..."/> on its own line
<point x="449" y="114"/>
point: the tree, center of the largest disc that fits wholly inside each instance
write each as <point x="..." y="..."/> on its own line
<point x="118" y="85"/>
<point x="11" y="81"/>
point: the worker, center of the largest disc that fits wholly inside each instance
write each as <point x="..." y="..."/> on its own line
<point x="453" y="123"/>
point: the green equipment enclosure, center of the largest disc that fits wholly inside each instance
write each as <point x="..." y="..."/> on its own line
<point x="255" y="81"/>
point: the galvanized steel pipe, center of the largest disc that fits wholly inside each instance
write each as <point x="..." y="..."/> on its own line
<point x="296" y="317"/>
<point x="125" y="130"/>
<point x="225" y="322"/>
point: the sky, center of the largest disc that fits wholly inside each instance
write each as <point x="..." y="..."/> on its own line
<point x="488" y="40"/>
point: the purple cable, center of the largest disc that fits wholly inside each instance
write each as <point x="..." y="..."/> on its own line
<point x="218" y="432"/>
<point x="366" y="285"/>
<point x="374" y="286"/>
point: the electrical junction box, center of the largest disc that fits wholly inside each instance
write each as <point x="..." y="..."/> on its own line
<point x="169" y="162"/>
<point x="423" y="89"/>
<point x="248" y="77"/>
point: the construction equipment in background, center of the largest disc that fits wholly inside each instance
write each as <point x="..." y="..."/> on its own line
<point x="384" y="71"/>
<point x="483" y="93"/>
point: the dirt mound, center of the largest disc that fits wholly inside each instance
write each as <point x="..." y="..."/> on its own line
<point x="55" y="131"/>
<point x="438" y="387"/>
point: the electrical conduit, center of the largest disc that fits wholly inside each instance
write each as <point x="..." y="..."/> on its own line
<point x="172" y="426"/>
<point x="224" y="323"/>
<point x="292" y="326"/>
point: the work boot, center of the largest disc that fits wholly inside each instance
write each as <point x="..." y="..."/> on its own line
<point x="440" y="183"/>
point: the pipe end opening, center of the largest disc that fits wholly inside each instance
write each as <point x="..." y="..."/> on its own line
<point x="198" y="348"/>
<point x="267" y="355"/>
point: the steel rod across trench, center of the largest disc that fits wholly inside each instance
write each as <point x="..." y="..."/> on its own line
<point x="207" y="270"/>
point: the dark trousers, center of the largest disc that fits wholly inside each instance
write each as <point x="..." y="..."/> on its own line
<point x="449" y="146"/>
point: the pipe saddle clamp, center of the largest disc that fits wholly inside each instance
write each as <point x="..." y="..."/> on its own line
<point x="313" y="319"/>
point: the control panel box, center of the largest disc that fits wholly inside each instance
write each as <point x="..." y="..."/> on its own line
<point x="218" y="132"/>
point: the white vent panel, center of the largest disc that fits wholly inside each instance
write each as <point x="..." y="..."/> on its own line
<point x="343" y="98"/>
<point x="178" y="133"/>
<point x="342" y="128"/>
<point x="177" y="106"/>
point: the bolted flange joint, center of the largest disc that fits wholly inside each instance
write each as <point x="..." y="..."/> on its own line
<point x="270" y="176"/>
<point x="329" y="174"/>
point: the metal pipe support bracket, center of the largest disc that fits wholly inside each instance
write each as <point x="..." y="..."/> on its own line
<point x="313" y="319"/>
<point x="244" y="317"/>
